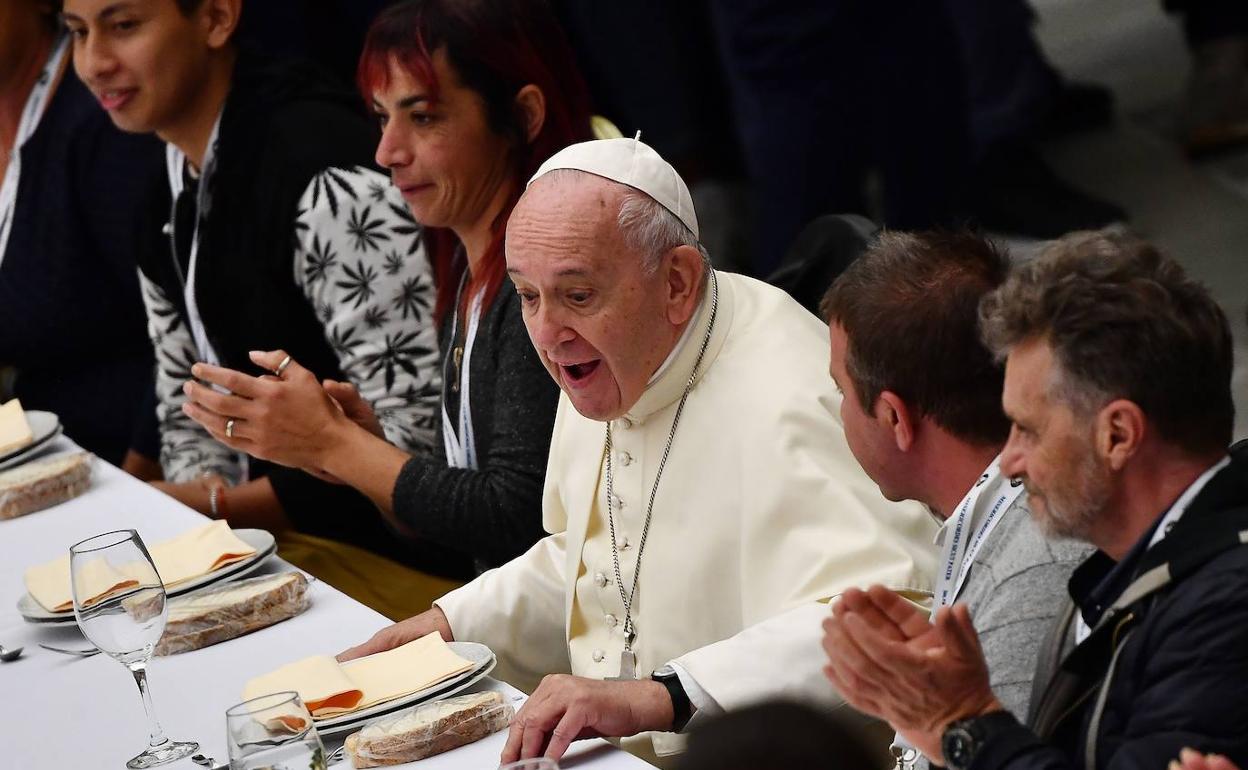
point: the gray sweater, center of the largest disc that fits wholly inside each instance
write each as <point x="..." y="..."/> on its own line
<point x="1015" y="590"/>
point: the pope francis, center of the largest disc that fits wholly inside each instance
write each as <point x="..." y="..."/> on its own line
<point x="702" y="504"/>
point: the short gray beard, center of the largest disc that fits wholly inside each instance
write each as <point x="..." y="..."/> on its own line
<point x="1075" y="515"/>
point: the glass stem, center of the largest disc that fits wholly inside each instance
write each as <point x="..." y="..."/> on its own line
<point x="140" y="678"/>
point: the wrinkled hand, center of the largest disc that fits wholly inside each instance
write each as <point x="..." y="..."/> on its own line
<point x="354" y="406"/>
<point x="401" y="633"/>
<point x="887" y="660"/>
<point x="566" y="708"/>
<point x="1190" y="759"/>
<point x="290" y="421"/>
<point x="193" y="494"/>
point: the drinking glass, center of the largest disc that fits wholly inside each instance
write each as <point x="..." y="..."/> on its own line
<point x="119" y="601"/>
<point x="273" y="732"/>
<point x="540" y="763"/>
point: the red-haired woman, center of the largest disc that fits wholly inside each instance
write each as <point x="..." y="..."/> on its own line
<point x="472" y="97"/>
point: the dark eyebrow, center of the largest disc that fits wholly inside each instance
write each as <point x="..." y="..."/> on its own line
<point x="103" y="15"/>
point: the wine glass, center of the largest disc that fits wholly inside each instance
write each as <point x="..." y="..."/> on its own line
<point x="273" y="732"/>
<point x="119" y="601"/>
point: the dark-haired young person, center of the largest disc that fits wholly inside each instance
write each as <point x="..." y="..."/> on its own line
<point x="922" y="414"/>
<point x="1118" y="384"/>
<point x="472" y="97"/>
<point x="276" y="230"/>
<point x="71" y="320"/>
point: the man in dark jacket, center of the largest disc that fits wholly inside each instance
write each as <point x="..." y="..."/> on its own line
<point x="1117" y="381"/>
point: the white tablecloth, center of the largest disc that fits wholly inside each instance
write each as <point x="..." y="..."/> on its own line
<point x="63" y="713"/>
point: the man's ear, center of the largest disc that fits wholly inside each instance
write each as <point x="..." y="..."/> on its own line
<point x="892" y="413"/>
<point x="531" y="106"/>
<point x="684" y="273"/>
<point x="1120" y="428"/>
<point x="220" y="18"/>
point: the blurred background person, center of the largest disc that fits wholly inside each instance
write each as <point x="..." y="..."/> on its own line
<point x="1214" y="115"/>
<point x="71" y="321"/>
<point x="783" y="735"/>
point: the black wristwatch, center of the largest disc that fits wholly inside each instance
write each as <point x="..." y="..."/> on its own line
<point x="682" y="709"/>
<point x="964" y="739"/>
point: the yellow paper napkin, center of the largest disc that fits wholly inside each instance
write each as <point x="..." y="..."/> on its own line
<point x="190" y="555"/>
<point x="329" y="688"/>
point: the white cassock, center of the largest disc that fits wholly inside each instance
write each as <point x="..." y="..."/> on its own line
<point x="762" y="516"/>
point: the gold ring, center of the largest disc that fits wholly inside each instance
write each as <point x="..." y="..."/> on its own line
<point x="229" y="428"/>
<point x="282" y="366"/>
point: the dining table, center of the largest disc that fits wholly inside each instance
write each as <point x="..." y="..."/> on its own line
<point x="63" y="712"/>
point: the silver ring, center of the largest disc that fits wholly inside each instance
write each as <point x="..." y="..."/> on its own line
<point x="229" y="428"/>
<point x="282" y="367"/>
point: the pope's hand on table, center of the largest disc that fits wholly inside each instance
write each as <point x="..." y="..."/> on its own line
<point x="566" y="708"/>
<point x="401" y="633"/>
<point x="887" y="660"/>
<point x="288" y="420"/>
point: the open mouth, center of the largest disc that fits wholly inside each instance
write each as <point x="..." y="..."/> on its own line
<point x="115" y="99"/>
<point x="577" y="373"/>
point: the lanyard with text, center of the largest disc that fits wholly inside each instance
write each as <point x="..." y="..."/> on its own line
<point x="461" y="445"/>
<point x="961" y="547"/>
<point x="175" y="162"/>
<point x="36" y="104"/>
<point x="958" y="554"/>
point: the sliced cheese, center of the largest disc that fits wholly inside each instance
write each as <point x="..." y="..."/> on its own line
<point x="15" y="431"/>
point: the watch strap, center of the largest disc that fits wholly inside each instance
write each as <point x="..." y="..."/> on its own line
<point x="981" y="729"/>
<point x="682" y="708"/>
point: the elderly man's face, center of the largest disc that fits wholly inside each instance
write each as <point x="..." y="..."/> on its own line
<point x="601" y="325"/>
<point x="1051" y="447"/>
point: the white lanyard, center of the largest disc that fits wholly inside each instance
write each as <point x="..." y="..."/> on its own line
<point x="958" y="554"/>
<point x="961" y="547"/>
<point x="175" y="161"/>
<point x="461" y="445"/>
<point x="36" y="105"/>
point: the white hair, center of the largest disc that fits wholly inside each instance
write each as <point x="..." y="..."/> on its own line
<point x="651" y="230"/>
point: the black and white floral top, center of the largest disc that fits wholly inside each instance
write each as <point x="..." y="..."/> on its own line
<point x="359" y="263"/>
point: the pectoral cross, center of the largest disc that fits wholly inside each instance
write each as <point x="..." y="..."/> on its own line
<point x="628" y="661"/>
<point x="628" y="667"/>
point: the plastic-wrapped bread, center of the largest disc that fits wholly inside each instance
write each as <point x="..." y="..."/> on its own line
<point x="37" y="485"/>
<point x="429" y="729"/>
<point x="228" y="610"/>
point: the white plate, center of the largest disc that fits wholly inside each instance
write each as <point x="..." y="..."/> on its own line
<point x="259" y="539"/>
<point x="479" y="655"/>
<point x="45" y="426"/>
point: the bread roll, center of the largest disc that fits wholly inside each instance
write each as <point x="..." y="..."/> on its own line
<point x="44" y="483"/>
<point x="231" y="609"/>
<point x="429" y="729"/>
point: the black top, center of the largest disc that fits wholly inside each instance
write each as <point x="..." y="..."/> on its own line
<point x="492" y="514"/>
<point x="71" y="319"/>
<point x="283" y="128"/>
<point x="1177" y="659"/>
